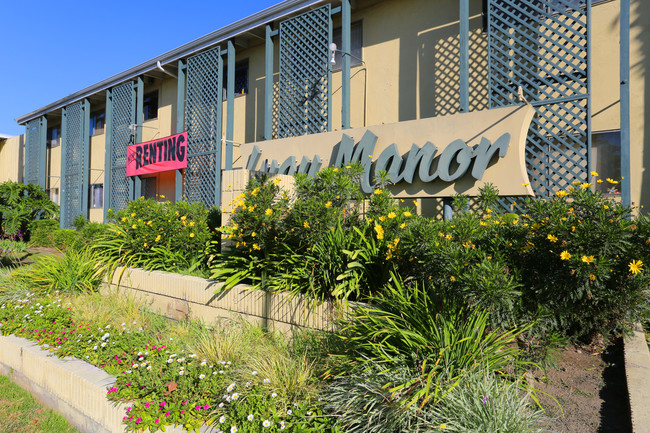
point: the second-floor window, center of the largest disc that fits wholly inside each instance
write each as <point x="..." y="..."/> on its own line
<point x="150" y="105"/>
<point x="53" y="137"/>
<point x="355" y="45"/>
<point x="97" y="120"/>
<point x="241" y="79"/>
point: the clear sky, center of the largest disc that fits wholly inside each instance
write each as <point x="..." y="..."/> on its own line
<point x="51" y="49"/>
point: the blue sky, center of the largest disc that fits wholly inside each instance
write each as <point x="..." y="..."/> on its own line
<point x="49" y="50"/>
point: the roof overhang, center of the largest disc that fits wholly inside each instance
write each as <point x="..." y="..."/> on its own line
<point x="250" y="25"/>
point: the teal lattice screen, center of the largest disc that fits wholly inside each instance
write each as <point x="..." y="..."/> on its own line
<point x="72" y="158"/>
<point x="203" y="118"/>
<point x="540" y="48"/>
<point x="304" y="89"/>
<point x="122" y="115"/>
<point x="32" y="152"/>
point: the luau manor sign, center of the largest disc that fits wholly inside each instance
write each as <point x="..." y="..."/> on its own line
<point x="479" y="147"/>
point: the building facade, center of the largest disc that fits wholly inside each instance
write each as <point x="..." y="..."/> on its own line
<point x="306" y="67"/>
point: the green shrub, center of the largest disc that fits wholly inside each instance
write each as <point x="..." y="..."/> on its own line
<point x="46" y="233"/>
<point x="165" y="236"/>
<point x="20" y="204"/>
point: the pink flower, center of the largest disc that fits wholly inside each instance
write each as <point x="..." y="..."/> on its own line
<point x="185" y="402"/>
<point x="167" y="413"/>
<point x="124" y="419"/>
<point x="156" y="421"/>
<point x="207" y="406"/>
<point x="182" y="412"/>
<point x="198" y="408"/>
<point x="147" y="404"/>
<point x="163" y="404"/>
<point x="137" y="421"/>
<point x="128" y="409"/>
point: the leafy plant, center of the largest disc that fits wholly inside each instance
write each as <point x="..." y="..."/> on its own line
<point x="20" y="204"/>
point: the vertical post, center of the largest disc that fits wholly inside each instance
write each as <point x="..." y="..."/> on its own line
<point x="626" y="193"/>
<point x="42" y="152"/>
<point x="217" y="158"/>
<point x="180" y="123"/>
<point x="464" y="55"/>
<point x="108" y="152"/>
<point x="447" y="209"/>
<point x="329" y="81"/>
<point x="346" y="34"/>
<point x="230" y="115"/>
<point x="268" y="85"/>
<point x="85" y="159"/>
<point x="64" y="146"/>
<point x="139" y="118"/>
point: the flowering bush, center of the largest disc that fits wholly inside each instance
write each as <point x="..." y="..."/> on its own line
<point x="166" y="236"/>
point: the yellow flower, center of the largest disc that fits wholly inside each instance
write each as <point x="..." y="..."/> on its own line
<point x="561" y="193"/>
<point x="592" y="277"/>
<point x="636" y="267"/>
<point x="133" y="214"/>
<point x="585" y="185"/>
<point x="134" y="226"/>
<point x="448" y="237"/>
<point x="336" y="170"/>
<point x="380" y="231"/>
<point x="565" y="255"/>
<point x="276" y="181"/>
<point x="382" y="218"/>
<point x="251" y="208"/>
<point x="599" y="181"/>
<point x="253" y="234"/>
<point x="594" y="174"/>
<point x="183" y="218"/>
<point x="443" y="426"/>
<point x="576" y="182"/>
<point x="145" y="245"/>
<point x="256" y="247"/>
<point x="403" y="225"/>
<point x="407" y="214"/>
<point x="377" y="191"/>
<point x="452" y="278"/>
<point x="306" y="224"/>
<point x="328" y="204"/>
<point x="551" y="238"/>
<point x="157" y="238"/>
<point x="269" y="212"/>
<point x="191" y="235"/>
<point x="391" y="215"/>
<point x="124" y="219"/>
<point x="191" y="223"/>
<point x="587" y="259"/>
<point x="612" y="181"/>
<point x="162" y="196"/>
<point x="525" y="184"/>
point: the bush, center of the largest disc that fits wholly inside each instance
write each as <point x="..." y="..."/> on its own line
<point x="164" y="236"/>
<point x="20" y="204"/>
<point x="46" y="233"/>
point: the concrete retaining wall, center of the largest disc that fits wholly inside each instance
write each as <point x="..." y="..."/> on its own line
<point x="178" y="296"/>
<point x="637" y="370"/>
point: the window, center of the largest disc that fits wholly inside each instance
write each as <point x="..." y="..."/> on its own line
<point x="150" y="105"/>
<point x="356" y="39"/>
<point x="96" y="195"/>
<point x="241" y="79"/>
<point x="97" y="120"/>
<point x="149" y="187"/>
<point x="53" y="137"/>
<point x="53" y="193"/>
<point x="606" y="154"/>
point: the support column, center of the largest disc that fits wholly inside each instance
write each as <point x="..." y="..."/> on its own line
<point x="626" y="193"/>
<point x="85" y="160"/>
<point x="42" y="153"/>
<point x="346" y="23"/>
<point x="464" y="55"/>
<point x="180" y="123"/>
<point x="108" y="152"/>
<point x="268" y="85"/>
<point x="139" y="118"/>
<point x="62" y="191"/>
<point x="230" y="114"/>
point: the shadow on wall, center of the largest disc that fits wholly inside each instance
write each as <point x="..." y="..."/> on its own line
<point x="640" y="67"/>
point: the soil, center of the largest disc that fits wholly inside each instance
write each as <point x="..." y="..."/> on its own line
<point x="589" y="385"/>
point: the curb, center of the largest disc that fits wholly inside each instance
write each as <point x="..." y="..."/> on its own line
<point x="70" y="386"/>
<point x="637" y="371"/>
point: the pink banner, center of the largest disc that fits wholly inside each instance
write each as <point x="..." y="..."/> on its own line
<point x="169" y="153"/>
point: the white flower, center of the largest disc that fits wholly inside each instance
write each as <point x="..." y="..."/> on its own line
<point x="266" y="423"/>
<point x="203" y="364"/>
<point x="254" y="373"/>
<point x="135" y="366"/>
<point x="95" y="348"/>
<point x="230" y="387"/>
<point x="202" y="376"/>
<point x="221" y="404"/>
<point x="308" y="412"/>
<point x="180" y="373"/>
<point x="222" y="372"/>
<point x="140" y="358"/>
<point x="222" y="419"/>
<point x="235" y="396"/>
<point x="127" y="371"/>
<point x="233" y="429"/>
<point x="250" y="417"/>
<point x="274" y="395"/>
<point x="289" y="412"/>
<point x="149" y="367"/>
<point x="108" y="326"/>
<point x="267" y="380"/>
<point x="104" y="344"/>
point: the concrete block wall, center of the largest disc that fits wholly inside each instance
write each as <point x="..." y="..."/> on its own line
<point x="178" y="296"/>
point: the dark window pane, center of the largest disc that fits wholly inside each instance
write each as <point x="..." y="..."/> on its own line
<point x="150" y="105"/>
<point x="606" y="154"/>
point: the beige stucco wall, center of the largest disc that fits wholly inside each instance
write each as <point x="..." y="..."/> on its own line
<point x="11" y="158"/>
